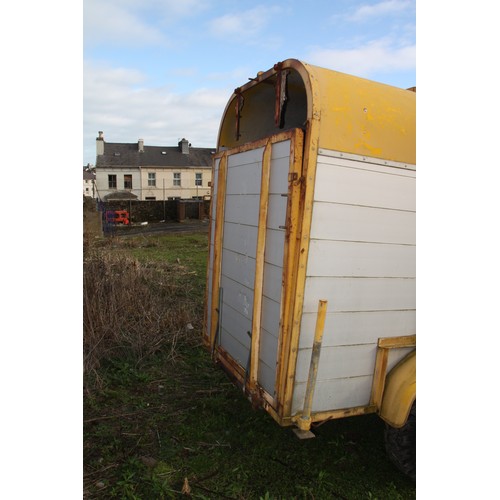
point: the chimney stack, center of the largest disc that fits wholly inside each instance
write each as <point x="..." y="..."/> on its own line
<point x="184" y="146"/>
<point x="141" y="145"/>
<point x="100" y="144"/>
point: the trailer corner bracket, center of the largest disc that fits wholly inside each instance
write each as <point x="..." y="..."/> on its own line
<point x="301" y="434"/>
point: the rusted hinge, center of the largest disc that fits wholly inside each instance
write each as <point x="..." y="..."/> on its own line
<point x="281" y="96"/>
<point x="240" y="101"/>
<point x="293" y="178"/>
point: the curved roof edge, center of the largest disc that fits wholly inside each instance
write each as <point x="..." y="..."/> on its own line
<point x="345" y="113"/>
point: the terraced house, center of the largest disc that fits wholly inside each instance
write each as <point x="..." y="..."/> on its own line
<point x="134" y="171"/>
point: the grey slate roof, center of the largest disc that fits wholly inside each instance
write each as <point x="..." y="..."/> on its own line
<point x="88" y="176"/>
<point x="128" y="155"/>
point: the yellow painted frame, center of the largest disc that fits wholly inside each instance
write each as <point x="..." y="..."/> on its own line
<point x="346" y="114"/>
<point x="289" y="260"/>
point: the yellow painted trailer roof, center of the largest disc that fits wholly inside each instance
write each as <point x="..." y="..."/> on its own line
<point x="340" y="112"/>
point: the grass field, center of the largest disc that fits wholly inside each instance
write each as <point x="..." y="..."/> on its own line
<point x="162" y="421"/>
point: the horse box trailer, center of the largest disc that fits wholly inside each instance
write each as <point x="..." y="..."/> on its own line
<point x="310" y="302"/>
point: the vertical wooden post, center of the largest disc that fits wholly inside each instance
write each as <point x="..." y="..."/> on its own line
<point x="259" y="266"/>
<point x="219" y="231"/>
<point x="304" y="422"/>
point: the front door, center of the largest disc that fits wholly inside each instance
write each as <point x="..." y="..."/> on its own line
<point x="250" y="259"/>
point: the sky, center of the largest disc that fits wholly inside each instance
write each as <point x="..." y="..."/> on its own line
<point x="161" y="70"/>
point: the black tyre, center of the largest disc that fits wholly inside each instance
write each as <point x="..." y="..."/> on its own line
<point x="400" y="444"/>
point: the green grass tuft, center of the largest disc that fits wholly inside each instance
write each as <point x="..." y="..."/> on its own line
<point x="164" y="422"/>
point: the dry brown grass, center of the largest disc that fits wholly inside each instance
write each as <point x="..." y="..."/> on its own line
<point x="131" y="310"/>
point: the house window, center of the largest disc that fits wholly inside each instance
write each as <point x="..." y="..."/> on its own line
<point x="177" y="179"/>
<point x="199" y="180"/>
<point x="112" y="181"/>
<point x="150" y="198"/>
<point x="127" y="181"/>
<point x="152" y="179"/>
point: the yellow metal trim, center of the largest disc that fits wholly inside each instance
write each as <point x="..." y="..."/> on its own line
<point x="364" y="117"/>
<point x="302" y="249"/>
<point x="217" y="257"/>
<point x="259" y="266"/>
<point x="289" y="262"/>
<point x="397" y="342"/>
<point x="400" y="391"/>
<point x="323" y="416"/>
<point x="359" y="116"/>
<point x="380" y="372"/>
<point x="206" y="326"/>
<point x="379" y="376"/>
<point x="304" y="422"/>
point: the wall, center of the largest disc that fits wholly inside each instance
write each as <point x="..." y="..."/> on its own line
<point x="165" y="183"/>
<point x="156" y="211"/>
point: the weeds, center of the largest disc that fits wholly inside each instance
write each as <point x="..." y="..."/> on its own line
<point x="132" y="310"/>
<point x="161" y="421"/>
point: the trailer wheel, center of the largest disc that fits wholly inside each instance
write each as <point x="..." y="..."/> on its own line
<point x="400" y="444"/>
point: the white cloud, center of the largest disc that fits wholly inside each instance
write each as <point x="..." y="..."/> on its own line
<point x="384" y="8"/>
<point x="108" y="21"/>
<point x="134" y="23"/>
<point x="246" y="25"/>
<point x="374" y="57"/>
<point x="118" y="102"/>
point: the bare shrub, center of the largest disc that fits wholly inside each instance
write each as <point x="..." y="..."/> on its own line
<point x="132" y="310"/>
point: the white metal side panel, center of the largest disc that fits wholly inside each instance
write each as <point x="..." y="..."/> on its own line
<point x="239" y="253"/>
<point x="213" y="206"/>
<point x="239" y="246"/>
<point x="273" y="265"/>
<point x="362" y="261"/>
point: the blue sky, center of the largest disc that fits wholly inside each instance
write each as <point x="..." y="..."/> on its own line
<point x="161" y="70"/>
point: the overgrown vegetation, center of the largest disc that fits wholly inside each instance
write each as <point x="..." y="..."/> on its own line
<point x="161" y="421"/>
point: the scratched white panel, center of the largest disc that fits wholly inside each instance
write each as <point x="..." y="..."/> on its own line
<point x="236" y="315"/>
<point x="276" y="216"/>
<point x="275" y="246"/>
<point x="267" y="376"/>
<point x="273" y="267"/>
<point x="236" y="325"/>
<point x="242" y="209"/>
<point x="385" y="187"/>
<point x="360" y="294"/>
<point x="332" y="221"/>
<point x="338" y="362"/>
<point x="244" y="179"/>
<point x="341" y="258"/>
<point x="271" y="314"/>
<point x="281" y="150"/>
<point x="238" y="257"/>
<point x="362" y="261"/>
<point x="278" y="183"/>
<point x="359" y="327"/>
<point x="245" y="158"/>
<point x="334" y="394"/>
<point x="348" y="390"/>
<point x="272" y="282"/>
<point x="238" y="267"/>
<point x="240" y="238"/>
<point x="239" y="250"/>
<point x="237" y="296"/>
<point x="234" y="347"/>
<point x="268" y="349"/>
